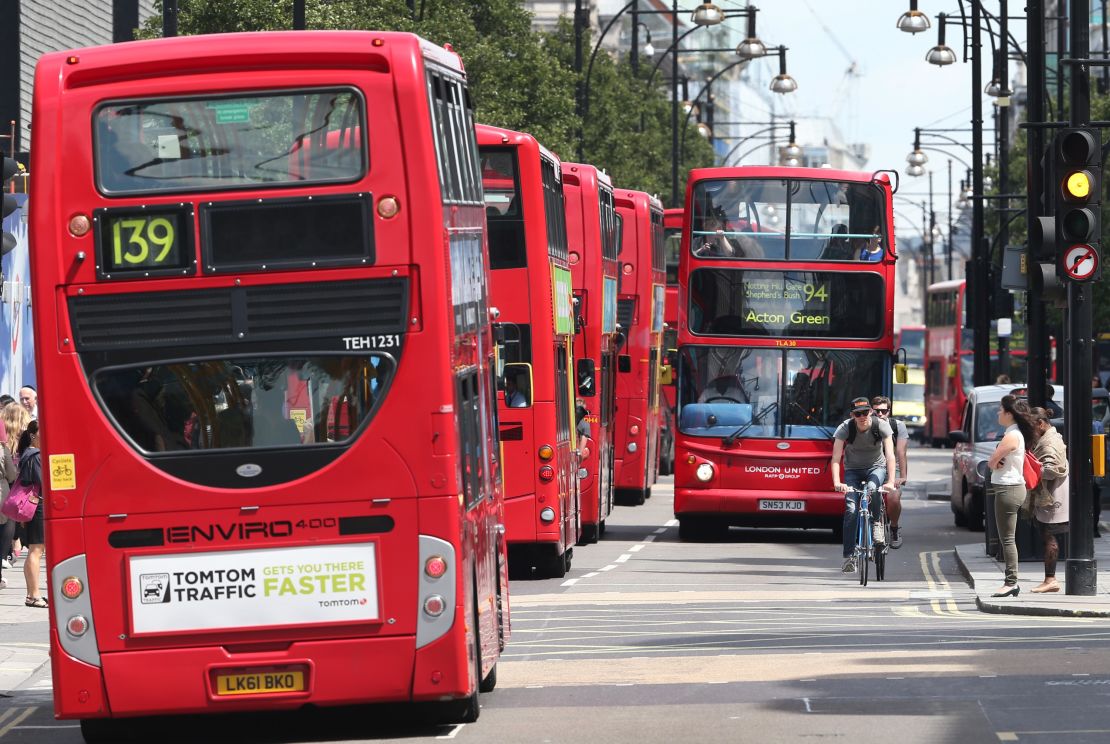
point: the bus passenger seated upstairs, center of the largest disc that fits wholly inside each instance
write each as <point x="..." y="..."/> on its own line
<point x="721" y="246"/>
<point x="723" y="389"/>
<point x="870" y="249"/>
<point x="839" y="248"/>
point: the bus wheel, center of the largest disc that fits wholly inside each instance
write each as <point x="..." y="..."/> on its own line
<point x="589" y="534"/>
<point x="557" y="564"/>
<point x="103" y="730"/>
<point x="490" y="682"/>
<point x="691" y="529"/>
<point x="629" y="496"/>
<point x="468" y="710"/>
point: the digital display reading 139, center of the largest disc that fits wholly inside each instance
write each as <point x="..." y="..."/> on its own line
<point x="144" y="242"/>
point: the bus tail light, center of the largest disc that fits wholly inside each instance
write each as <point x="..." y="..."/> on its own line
<point x="72" y="587"/>
<point x="546" y="452"/>
<point x="72" y="602"/>
<point x="634" y="430"/>
<point x="547" y="473"/>
<point x="436" y="597"/>
<point x="77" y="626"/>
<point x="435" y="566"/>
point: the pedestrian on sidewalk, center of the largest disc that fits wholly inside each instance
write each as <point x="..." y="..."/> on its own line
<point x="1007" y="484"/>
<point x="34" y="531"/>
<point x="1049" y="500"/>
<point x="8" y="474"/>
<point x="13" y="420"/>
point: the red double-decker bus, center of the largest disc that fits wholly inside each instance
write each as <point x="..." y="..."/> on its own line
<point x="265" y="352"/>
<point x="530" y="286"/>
<point x="672" y="242"/>
<point x="950" y="358"/>
<point x="640" y="304"/>
<point x="786" y="291"/>
<point x="593" y="241"/>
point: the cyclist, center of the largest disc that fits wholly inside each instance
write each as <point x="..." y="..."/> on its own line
<point x="880" y="404"/>
<point x="867" y="445"/>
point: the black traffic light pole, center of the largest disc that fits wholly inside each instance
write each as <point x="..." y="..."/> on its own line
<point x="1081" y="569"/>
<point x="978" y="288"/>
<point x="1036" y="335"/>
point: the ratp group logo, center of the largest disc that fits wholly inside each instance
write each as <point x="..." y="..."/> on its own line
<point x="154" y="588"/>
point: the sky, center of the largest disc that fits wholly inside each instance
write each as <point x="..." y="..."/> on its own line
<point x="896" y="89"/>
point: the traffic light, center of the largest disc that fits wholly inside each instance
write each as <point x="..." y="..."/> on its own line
<point x="9" y="169"/>
<point x="1077" y="159"/>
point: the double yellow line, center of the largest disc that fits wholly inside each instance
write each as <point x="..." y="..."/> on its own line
<point x="20" y="715"/>
<point x="934" y="577"/>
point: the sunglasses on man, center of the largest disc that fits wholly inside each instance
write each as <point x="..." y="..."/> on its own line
<point x="881" y="411"/>
<point x="861" y="414"/>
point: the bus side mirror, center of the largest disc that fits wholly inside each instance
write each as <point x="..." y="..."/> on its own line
<point x="624" y="363"/>
<point x="901" y="374"/>
<point x="586" y="377"/>
<point x="666" y="375"/>
<point x="952" y="370"/>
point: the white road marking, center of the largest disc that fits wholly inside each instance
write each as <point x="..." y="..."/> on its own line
<point x="623" y="558"/>
<point x="590" y="575"/>
<point x="660" y="531"/>
<point x="569" y="582"/>
<point x="649" y="538"/>
<point x="454" y="732"/>
<point x="610" y="567"/>
<point x="636" y="548"/>
<point x="671" y="523"/>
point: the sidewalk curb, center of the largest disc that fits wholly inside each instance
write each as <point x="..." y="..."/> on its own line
<point x="1072" y="606"/>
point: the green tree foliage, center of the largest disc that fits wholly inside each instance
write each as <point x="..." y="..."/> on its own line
<point x="519" y="79"/>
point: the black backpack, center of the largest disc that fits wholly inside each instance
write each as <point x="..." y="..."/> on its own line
<point x="874" y="430"/>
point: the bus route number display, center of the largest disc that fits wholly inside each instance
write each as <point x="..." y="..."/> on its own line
<point x="135" y="243"/>
<point x="786" y="304"/>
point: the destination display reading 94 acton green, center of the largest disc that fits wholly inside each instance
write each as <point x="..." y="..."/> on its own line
<point x="144" y="242"/>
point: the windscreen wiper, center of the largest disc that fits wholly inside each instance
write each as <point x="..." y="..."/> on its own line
<point x="727" y="441"/>
<point x="828" y="431"/>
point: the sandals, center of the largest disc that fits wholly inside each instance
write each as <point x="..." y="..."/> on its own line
<point x="36" y="602"/>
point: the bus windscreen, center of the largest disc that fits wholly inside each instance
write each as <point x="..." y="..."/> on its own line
<point x="808" y="304"/>
<point x="191" y="144"/>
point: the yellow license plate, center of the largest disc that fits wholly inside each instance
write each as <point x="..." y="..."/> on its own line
<point x="260" y="683"/>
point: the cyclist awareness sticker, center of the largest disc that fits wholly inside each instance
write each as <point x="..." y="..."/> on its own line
<point x="63" y="473"/>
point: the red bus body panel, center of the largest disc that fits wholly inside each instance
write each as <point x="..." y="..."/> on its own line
<point x="640" y="307"/>
<point x="595" y="282"/>
<point x="527" y="295"/>
<point x="405" y="467"/>
<point x="755" y="469"/>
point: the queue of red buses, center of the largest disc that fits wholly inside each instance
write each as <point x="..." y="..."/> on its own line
<point x="593" y="240"/>
<point x="270" y="437"/>
<point x="672" y="242"/>
<point x="640" y="303"/>
<point x="786" y="292"/>
<point x="530" y="286"/>
<point x="950" y="361"/>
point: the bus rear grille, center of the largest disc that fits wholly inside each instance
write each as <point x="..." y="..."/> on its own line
<point x="625" y="309"/>
<point x="239" y="314"/>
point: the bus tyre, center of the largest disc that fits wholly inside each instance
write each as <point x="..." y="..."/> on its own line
<point x="557" y="564"/>
<point x="589" y="534"/>
<point x="490" y="682"/>
<point x="693" y="529"/>
<point x="103" y="730"/>
<point x="629" y="496"/>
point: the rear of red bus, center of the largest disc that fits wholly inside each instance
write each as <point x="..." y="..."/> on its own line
<point x="945" y="394"/>
<point x="592" y="243"/>
<point x="530" y="287"/>
<point x="672" y="242"/>
<point x="269" y="434"/>
<point x="640" y="317"/>
<point x="785" y="315"/>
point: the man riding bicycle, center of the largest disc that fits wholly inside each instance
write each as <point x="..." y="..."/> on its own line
<point x="866" y="444"/>
<point x="880" y="406"/>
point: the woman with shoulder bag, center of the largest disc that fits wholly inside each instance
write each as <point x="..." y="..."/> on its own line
<point x="1007" y="484"/>
<point x="8" y="474"/>
<point x="33" y="532"/>
<point x="1049" y="500"/>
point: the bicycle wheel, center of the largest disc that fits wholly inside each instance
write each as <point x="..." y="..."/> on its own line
<point x="863" y="540"/>
<point x="881" y="551"/>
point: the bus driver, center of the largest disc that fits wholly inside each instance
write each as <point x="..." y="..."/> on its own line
<point x="867" y="445"/>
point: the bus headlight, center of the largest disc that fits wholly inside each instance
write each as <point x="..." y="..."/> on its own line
<point x="632" y="447"/>
<point x="547" y="515"/>
<point x="704" y="472"/>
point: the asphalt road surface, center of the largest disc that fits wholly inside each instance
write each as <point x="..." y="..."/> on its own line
<point x="756" y="638"/>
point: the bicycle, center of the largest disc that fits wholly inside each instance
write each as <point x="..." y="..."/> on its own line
<point x="867" y="549"/>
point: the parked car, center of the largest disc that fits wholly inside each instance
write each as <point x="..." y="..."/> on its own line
<point x="974" y="443"/>
<point x="908" y="402"/>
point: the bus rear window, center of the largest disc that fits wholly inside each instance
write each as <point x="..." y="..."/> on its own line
<point x="244" y="403"/>
<point x="196" y="144"/>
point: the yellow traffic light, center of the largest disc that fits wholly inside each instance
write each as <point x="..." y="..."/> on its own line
<point x="1078" y="185"/>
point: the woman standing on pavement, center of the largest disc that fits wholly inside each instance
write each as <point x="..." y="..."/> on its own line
<point x="1050" y="497"/>
<point x="34" y="531"/>
<point x="1007" y="484"/>
<point x="8" y="475"/>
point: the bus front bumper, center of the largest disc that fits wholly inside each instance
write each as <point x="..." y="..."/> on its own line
<point x="761" y="507"/>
